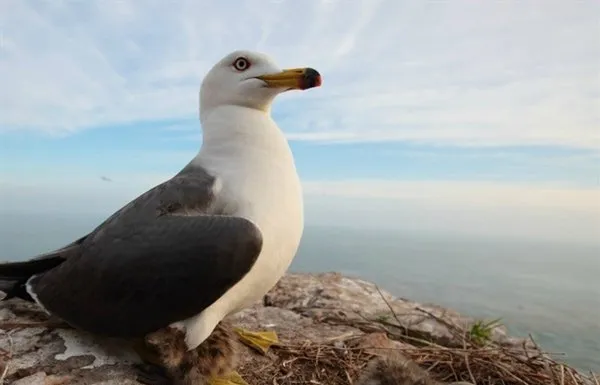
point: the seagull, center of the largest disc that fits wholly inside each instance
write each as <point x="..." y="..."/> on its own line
<point x="207" y="243"/>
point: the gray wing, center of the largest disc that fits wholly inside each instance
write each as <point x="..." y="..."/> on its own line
<point x="147" y="266"/>
<point x="192" y="188"/>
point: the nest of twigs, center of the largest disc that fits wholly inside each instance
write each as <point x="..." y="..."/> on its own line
<point x="310" y="364"/>
<point x="336" y="364"/>
<point x="477" y="362"/>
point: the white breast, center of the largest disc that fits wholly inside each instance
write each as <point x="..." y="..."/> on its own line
<point x="272" y="199"/>
<point x="258" y="181"/>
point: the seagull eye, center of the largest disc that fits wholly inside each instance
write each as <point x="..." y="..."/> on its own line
<point x="241" y="64"/>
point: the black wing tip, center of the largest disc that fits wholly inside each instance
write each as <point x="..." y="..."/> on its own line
<point x="14" y="289"/>
<point x="15" y="275"/>
<point x="25" y="269"/>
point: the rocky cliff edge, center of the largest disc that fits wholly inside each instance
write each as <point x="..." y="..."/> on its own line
<point x="330" y="326"/>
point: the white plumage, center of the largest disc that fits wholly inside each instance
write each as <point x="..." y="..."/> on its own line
<point x="257" y="178"/>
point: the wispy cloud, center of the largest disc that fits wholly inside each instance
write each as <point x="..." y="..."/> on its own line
<point x="479" y="74"/>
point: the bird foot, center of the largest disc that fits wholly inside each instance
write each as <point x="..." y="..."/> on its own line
<point x="260" y="341"/>
<point x="232" y="378"/>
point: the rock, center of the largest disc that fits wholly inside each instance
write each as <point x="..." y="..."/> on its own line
<point x="331" y="296"/>
<point x="302" y="308"/>
<point x="41" y="378"/>
<point x="290" y="326"/>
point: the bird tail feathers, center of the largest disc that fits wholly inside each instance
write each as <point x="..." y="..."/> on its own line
<point x="14" y="275"/>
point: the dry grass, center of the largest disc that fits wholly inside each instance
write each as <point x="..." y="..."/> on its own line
<point x="309" y="364"/>
<point x="490" y="365"/>
<point x="487" y="363"/>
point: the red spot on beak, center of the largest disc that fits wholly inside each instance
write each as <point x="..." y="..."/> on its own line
<point x="310" y="79"/>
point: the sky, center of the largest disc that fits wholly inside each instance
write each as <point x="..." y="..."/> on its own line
<point x="475" y="117"/>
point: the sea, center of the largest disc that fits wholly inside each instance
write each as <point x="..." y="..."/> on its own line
<point x="549" y="290"/>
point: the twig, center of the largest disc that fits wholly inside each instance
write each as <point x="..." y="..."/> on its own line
<point x="10" y="354"/>
<point x="404" y="336"/>
<point x="449" y="325"/>
<point x="389" y="307"/>
<point x="467" y="363"/>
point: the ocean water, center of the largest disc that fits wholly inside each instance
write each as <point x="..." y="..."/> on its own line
<point x="550" y="290"/>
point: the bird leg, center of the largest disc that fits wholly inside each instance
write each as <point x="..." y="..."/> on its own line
<point x="260" y="341"/>
<point x="211" y="363"/>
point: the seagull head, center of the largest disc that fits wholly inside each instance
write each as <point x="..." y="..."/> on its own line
<point x="251" y="79"/>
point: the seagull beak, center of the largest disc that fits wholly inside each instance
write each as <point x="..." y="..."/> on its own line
<point x="294" y="78"/>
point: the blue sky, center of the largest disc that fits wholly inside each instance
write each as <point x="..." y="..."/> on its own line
<point x="426" y="107"/>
